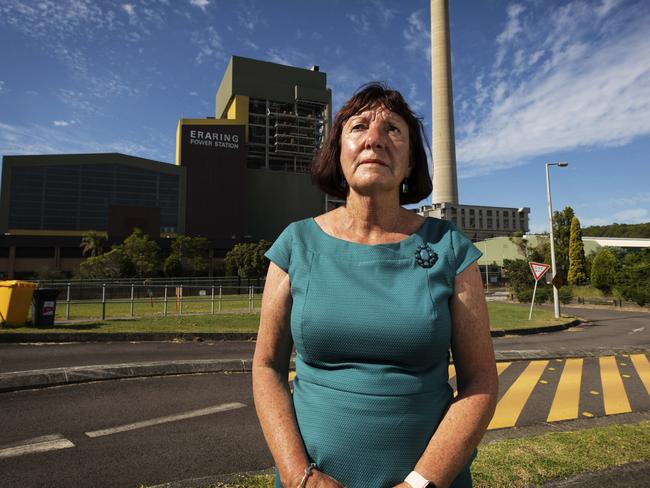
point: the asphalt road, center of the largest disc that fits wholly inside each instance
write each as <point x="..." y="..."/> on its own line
<point x="72" y="420"/>
<point x="603" y="329"/>
<point x="23" y="357"/>
<point x="204" y="445"/>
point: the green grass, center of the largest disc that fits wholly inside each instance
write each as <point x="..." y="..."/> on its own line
<point x="502" y="316"/>
<point x="145" y="307"/>
<point x="531" y="461"/>
<point x="515" y="316"/>
<point x="240" y="322"/>
<point x="534" y="460"/>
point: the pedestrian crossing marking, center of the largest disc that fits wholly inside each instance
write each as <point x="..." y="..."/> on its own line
<point x="567" y="396"/>
<point x="614" y="396"/>
<point x="594" y="392"/>
<point x="543" y="382"/>
<point x="512" y="403"/>
<point x="626" y="376"/>
<point x="501" y="367"/>
<point x="642" y="366"/>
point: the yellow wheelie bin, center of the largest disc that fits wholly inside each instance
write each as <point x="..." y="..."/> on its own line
<point x="15" y="300"/>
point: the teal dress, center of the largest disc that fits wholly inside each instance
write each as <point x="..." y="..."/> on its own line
<point x="372" y="330"/>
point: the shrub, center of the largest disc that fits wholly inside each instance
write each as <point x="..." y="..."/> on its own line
<point x="542" y="295"/>
<point x="603" y="270"/>
<point x="566" y="294"/>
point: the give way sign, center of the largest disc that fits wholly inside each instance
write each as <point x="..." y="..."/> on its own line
<point x="538" y="269"/>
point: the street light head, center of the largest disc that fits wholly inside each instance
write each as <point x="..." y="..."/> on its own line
<point x="562" y="164"/>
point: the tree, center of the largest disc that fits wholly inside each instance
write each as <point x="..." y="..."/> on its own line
<point x="577" y="274"/>
<point x="603" y="270"/>
<point x="518" y="274"/>
<point x="91" y="243"/>
<point x="633" y="279"/>
<point x="113" y="264"/>
<point x="540" y="253"/>
<point x="562" y="235"/>
<point x="248" y="259"/>
<point x="143" y="253"/>
<point x="192" y="254"/>
<point x="172" y="266"/>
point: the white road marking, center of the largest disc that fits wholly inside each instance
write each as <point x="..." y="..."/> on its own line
<point x="640" y="329"/>
<point x="162" y="420"/>
<point x="38" y="444"/>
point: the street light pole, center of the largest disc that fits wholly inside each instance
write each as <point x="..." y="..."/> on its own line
<point x="556" y="295"/>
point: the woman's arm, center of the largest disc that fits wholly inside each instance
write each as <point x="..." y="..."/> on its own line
<point x="469" y="414"/>
<point x="271" y="388"/>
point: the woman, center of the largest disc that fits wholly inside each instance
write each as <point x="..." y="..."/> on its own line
<point x="373" y="296"/>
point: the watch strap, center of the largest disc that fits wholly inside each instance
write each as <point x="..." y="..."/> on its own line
<point x="416" y="480"/>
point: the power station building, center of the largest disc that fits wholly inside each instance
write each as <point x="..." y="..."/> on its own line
<point x="240" y="175"/>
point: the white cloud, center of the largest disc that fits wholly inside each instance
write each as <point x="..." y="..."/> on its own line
<point x="632" y="215"/>
<point x="359" y="21"/>
<point x="291" y="57"/>
<point x="209" y="44"/>
<point x="193" y="94"/>
<point x="636" y="215"/>
<point x="202" y="4"/>
<point x="40" y="139"/>
<point x="62" y="123"/>
<point x="417" y="34"/>
<point x="590" y="87"/>
<point x="385" y="13"/>
<point x="630" y="200"/>
<point x="129" y="8"/>
<point x="2" y="86"/>
<point x="248" y="15"/>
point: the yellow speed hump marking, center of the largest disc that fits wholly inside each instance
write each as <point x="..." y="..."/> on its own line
<point x="567" y="396"/>
<point x="512" y="403"/>
<point x="614" y="395"/>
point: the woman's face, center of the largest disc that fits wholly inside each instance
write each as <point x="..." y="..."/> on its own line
<point x="375" y="151"/>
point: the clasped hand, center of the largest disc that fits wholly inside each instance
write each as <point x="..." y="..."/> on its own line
<point x="322" y="480"/>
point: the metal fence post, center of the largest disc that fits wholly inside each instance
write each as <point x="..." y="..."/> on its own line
<point x="165" y="303"/>
<point x="220" y="298"/>
<point x="212" y="300"/>
<point x="104" y="301"/>
<point x="250" y="299"/>
<point x="67" y="303"/>
<point x="132" y="297"/>
<point x="180" y="305"/>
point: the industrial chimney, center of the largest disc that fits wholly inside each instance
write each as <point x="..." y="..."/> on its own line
<point x="445" y="184"/>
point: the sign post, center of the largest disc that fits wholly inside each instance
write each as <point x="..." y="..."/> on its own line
<point x="539" y="270"/>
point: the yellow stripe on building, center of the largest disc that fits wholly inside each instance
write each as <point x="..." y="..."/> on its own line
<point x="642" y="367"/>
<point x="567" y="396"/>
<point x="614" y="395"/>
<point x="512" y="403"/>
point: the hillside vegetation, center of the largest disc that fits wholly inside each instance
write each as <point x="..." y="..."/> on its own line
<point x="618" y="230"/>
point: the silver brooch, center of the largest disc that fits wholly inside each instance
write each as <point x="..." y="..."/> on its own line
<point x="425" y="256"/>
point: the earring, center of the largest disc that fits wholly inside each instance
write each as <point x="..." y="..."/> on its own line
<point x="405" y="186"/>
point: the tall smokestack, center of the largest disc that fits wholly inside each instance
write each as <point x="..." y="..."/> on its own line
<point x="445" y="185"/>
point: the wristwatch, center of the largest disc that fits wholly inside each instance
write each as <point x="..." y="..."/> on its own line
<point x="416" y="480"/>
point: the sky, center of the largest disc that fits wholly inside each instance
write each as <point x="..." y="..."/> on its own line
<point x="534" y="81"/>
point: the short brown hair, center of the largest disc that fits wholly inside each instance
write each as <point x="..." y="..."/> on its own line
<point x="326" y="169"/>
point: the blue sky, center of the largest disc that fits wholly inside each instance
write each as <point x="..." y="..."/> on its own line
<point x="534" y="81"/>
